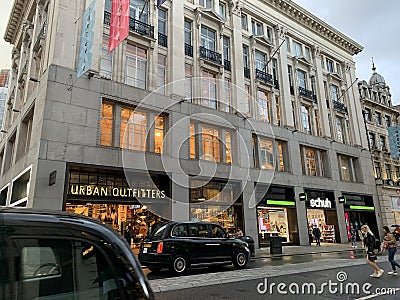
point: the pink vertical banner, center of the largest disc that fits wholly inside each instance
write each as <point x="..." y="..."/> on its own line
<point x="119" y="23"/>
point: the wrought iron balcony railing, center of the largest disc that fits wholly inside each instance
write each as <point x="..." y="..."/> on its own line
<point x="306" y="93"/>
<point x="227" y="64"/>
<point x="188" y="50"/>
<point x="339" y="106"/>
<point x="211" y="55"/>
<point x="267" y="78"/>
<point x="134" y="25"/>
<point x="246" y="73"/>
<point x="162" y="39"/>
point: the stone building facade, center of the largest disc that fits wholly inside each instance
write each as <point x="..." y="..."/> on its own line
<point x="216" y="110"/>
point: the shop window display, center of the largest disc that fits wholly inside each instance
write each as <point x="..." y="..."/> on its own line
<point x="273" y="222"/>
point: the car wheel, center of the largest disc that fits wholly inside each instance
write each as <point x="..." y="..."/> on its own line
<point x="240" y="260"/>
<point x="178" y="264"/>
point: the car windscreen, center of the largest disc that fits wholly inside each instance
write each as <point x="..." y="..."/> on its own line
<point x="156" y="231"/>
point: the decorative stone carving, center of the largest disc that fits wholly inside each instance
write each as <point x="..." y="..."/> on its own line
<point x="236" y="7"/>
<point x="347" y="67"/>
<point x="281" y="31"/>
<point x="198" y="17"/>
<point x="316" y="50"/>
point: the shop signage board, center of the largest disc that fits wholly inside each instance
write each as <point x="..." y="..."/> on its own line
<point x="107" y="191"/>
<point x="320" y="203"/>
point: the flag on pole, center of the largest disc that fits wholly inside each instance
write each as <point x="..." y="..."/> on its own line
<point x="86" y="42"/>
<point x="160" y="2"/>
<point x="119" y="23"/>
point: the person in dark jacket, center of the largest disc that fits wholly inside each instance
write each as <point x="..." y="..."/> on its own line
<point x="390" y="243"/>
<point x="317" y="235"/>
<point x="369" y="244"/>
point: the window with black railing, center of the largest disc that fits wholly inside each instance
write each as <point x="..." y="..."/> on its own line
<point x="210" y="55"/>
<point x="134" y="25"/>
<point x="267" y="78"/>
<point x="188" y="50"/>
<point x="306" y="93"/>
<point x="339" y="106"/>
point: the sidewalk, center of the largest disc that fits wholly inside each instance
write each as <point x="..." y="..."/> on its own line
<point x="312" y="249"/>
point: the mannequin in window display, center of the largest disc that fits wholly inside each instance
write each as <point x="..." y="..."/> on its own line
<point x="114" y="217"/>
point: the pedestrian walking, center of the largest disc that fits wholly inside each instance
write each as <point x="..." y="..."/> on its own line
<point x="317" y="235"/>
<point x="390" y="243"/>
<point x="370" y="248"/>
<point x="353" y="233"/>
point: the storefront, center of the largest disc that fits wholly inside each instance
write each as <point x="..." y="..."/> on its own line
<point x="217" y="201"/>
<point x="396" y="209"/>
<point x="321" y="213"/>
<point x="276" y="214"/>
<point x="123" y="201"/>
<point x="359" y="210"/>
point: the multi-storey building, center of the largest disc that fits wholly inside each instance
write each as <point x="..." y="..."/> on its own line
<point x="4" y="75"/>
<point x="379" y="115"/>
<point x="191" y="117"/>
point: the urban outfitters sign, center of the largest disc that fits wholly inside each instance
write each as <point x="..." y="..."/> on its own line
<point x="106" y="191"/>
<point x="320" y="203"/>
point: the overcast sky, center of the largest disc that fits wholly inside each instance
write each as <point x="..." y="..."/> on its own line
<point x="373" y="24"/>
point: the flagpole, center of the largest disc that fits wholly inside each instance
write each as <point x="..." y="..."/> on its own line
<point x="272" y="55"/>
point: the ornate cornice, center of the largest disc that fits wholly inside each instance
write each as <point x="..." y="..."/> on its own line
<point x="310" y="21"/>
<point x="14" y="22"/>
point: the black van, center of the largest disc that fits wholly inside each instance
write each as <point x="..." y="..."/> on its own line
<point x="58" y="255"/>
<point x="181" y="245"/>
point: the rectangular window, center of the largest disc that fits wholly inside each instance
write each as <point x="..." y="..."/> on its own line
<point x="261" y="60"/>
<point x="208" y="38"/>
<point x="192" y="141"/>
<point x="222" y="10"/>
<point x="368" y="115"/>
<point x="106" y="61"/>
<point x="302" y="79"/>
<point x="257" y="28"/>
<point x="158" y="134"/>
<point x="263" y="105"/>
<point x="228" y="147"/>
<point x="346" y="167"/>
<point x="133" y="129"/>
<point x="340" y="130"/>
<point x="139" y="10"/>
<point x="226" y="50"/>
<point x="378" y="118"/>
<point x="210" y="144"/>
<point x="136" y="66"/>
<point x="267" y="154"/>
<point x="188" y="81"/>
<point x="244" y="21"/>
<point x="305" y="117"/>
<point x="206" y="3"/>
<point x="228" y="96"/>
<point x="106" y="124"/>
<point x="382" y="142"/>
<point x="307" y="54"/>
<point x="162" y="73"/>
<point x="269" y="34"/>
<point x="334" y="93"/>
<point x="282" y="154"/>
<point x="188" y="32"/>
<point x="209" y="89"/>
<point x="372" y="139"/>
<point x="245" y="56"/>
<point x="388" y="173"/>
<point x="278" y="111"/>
<point x="162" y="21"/>
<point x="274" y="64"/>
<point x="377" y="170"/>
<point x="313" y="162"/>
<point x="248" y="99"/>
<point x="387" y="121"/>
<point x="329" y="65"/>
<point x="298" y="49"/>
<point x="287" y="44"/>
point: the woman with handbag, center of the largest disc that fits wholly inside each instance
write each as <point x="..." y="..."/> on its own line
<point x="390" y="243"/>
<point x="369" y="244"/>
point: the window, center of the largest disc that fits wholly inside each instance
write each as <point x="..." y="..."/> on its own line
<point x="305" y="117"/>
<point x="209" y="89"/>
<point x="257" y="28"/>
<point x="338" y="68"/>
<point x="263" y="106"/>
<point x="217" y="232"/>
<point x="136" y="66"/>
<point x="290" y="75"/>
<point x="266" y="154"/>
<point x="20" y="190"/>
<point x="274" y="69"/>
<point x="222" y="10"/>
<point x="210" y="144"/>
<point x="298" y="49"/>
<point x="180" y="231"/>
<point x="244" y="21"/>
<point x="162" y="21"/>
<point x="396" y="173"/>
<point x="382" y="142"/>
<point x="277" y="111"/>
<point x="334" y="93"/>
<point x="106" y="60"/>
<point x="287" y="44"/>
<point x="192" y="141"/>
<point x="162" y="73"/>
<point x="378" y="118"/>
<point x="372" y="139"/>
<point x="208" y="38"/>
<point x="269" y="34"/>
<point x="206" y="3"/>
<point x="226" y="52"/>
<point x="282" y="154"/>
<point x="248" y="96"/>
<point x="188" y="81"/>
<point x="158" y="134"/>
<point x="388" y="173"/>
<point x="261" y="60"/>
<point x="106" y="124"/>
<point x="347" y="168"/>
<point x="228" y="96"/>
<point x="133" y="129"/>
<point x="245" y="56"/>
<point x="329" y="65"/>
<point x="377" y="170"/>
<point x="312" y="162"/>
<point x="188" y="32"/>
<point x="139" y="10"/>
<point x="198" y="230"/>
<point x="317" y="123"/>
<point x="367" y="114"/>
<point x="25" y="133"/>
<point x="387" y="121"/>
<point x="340" y="130"/>
<point x="254" y="147"/>
<point x="302" y="79"/>
<point x="307" y="54"/>
<point x="228" y="148"/>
